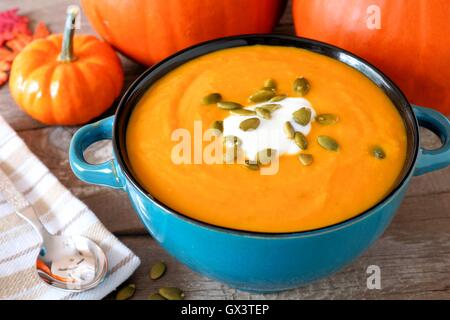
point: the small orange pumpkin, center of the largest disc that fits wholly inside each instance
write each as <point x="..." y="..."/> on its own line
<point x="66" y="79"/>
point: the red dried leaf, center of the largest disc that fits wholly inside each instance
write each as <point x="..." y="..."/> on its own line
<point x="12" y="24"/>
<point x="14" y="37"/>
<point x="3" y="78"/>
<point x="19" y="42"/>
<point x="41" y="31"/>
<point x="6" y="54"/>
<point x="5" y="66"/>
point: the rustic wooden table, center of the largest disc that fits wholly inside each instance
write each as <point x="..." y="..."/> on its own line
<point x="413" y="254"/>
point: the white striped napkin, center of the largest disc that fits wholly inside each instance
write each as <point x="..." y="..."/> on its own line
<point x="61" y="213"/>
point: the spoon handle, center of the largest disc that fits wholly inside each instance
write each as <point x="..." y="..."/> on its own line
<point x="21" y="205"/>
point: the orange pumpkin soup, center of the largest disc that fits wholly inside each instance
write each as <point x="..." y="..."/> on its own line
<point x="335" y="183"/>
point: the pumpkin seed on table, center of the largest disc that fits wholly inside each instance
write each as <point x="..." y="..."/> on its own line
<point x="263" y="113"/>
<point x="262" y="95"/>
<point x="243" y="112"/>
<point x="228" y="105"/>
<point x="378" y="152"/>
<point x="305" y="159"/>
<point x="328" y="143"/>
<point x="212" y="98"/>
<point x="217" y="125"/>
<point x="249" y="124"/>
<point x="327" y="119"/>
<point x="302" y="116"/>
<point x="301" y="86"/>
<point x="300" y="140"/>
<point x="289" y="130"/>
<point x="171" y="293"/>
<point x="155" y="296"/>
<point x="157" y="270"/>
<point x="266" y="156"/>
<point x="278" y="98"/>
<point x="252" y="165"/>
<point x="126" y="292"/>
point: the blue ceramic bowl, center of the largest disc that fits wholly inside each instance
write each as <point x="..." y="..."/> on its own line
<point x="248" y="260"/>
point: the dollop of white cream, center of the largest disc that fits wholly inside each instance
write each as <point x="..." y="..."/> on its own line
<point x="269" y="133"/>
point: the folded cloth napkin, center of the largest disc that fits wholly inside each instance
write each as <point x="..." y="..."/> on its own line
<point x="61" y="213"/>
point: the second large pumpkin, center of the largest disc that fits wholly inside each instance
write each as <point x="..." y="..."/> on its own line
<point x="409" y="40"/>
<point x="149" y="30"/>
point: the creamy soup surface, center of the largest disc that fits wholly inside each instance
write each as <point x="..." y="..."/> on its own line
<point x="336" y="186"/>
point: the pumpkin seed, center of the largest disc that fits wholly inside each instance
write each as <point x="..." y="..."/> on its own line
<point x="243" y="112"/>
<point x="301" y="86"/>
<point x="328" y="143"/>
<point x="228" y="105"/>
<point x="271" y="107"/>
<point x="126" y="292"/>
<point x="305" y="159"/>
<point x="212" y="98"/>
<point x="300" y="140"/>
<point x="302" y="116"/>
<point x="249" y="124"/>
<point x="266" y="156"/>
<point x="252" y="165"/>
<point x="289" y="130"/>
<point x="262" y="95"/>
<point x="155" y="296"/>
<point x="278" y="98"/>
<point x="378" y="152"/>
<point x="274" y="90"/>
<point x="158" y="270"/>
<point x="270" y="83"/>
<point x="171" y="293"/>
<point x="327" y="119"/>
<point x="217" y="125"/>
<point x="231" y="141"/>
<point x="263" y="112"/>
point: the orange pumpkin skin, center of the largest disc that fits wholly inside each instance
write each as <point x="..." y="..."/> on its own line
<point x="149" y="31"/>
<point x="412" y="46"/>
<point x="66" y="93"/>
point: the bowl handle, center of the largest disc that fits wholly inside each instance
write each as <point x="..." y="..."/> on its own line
<point x="104" y="174"/>
<point x="430" y="160"/>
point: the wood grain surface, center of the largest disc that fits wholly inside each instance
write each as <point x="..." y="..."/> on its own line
<point x="413" y="254"/>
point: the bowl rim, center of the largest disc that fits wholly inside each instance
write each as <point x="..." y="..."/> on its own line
<point x="134" y="87"/>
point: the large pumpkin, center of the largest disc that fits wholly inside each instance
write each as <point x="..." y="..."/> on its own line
<point x="409" y="40"/>
<point x="150" y="30"/>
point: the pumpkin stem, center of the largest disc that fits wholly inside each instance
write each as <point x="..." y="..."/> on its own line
<point x="66" y="54"/>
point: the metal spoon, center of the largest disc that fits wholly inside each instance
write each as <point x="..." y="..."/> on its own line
<point x="72" y="263"/>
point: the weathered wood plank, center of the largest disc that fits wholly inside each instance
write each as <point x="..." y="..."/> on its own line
<point x="414" y="257"/>
<point x="285" y="25"/>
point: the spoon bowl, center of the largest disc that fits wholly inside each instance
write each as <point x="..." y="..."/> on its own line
<point x="72" y="263"/>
